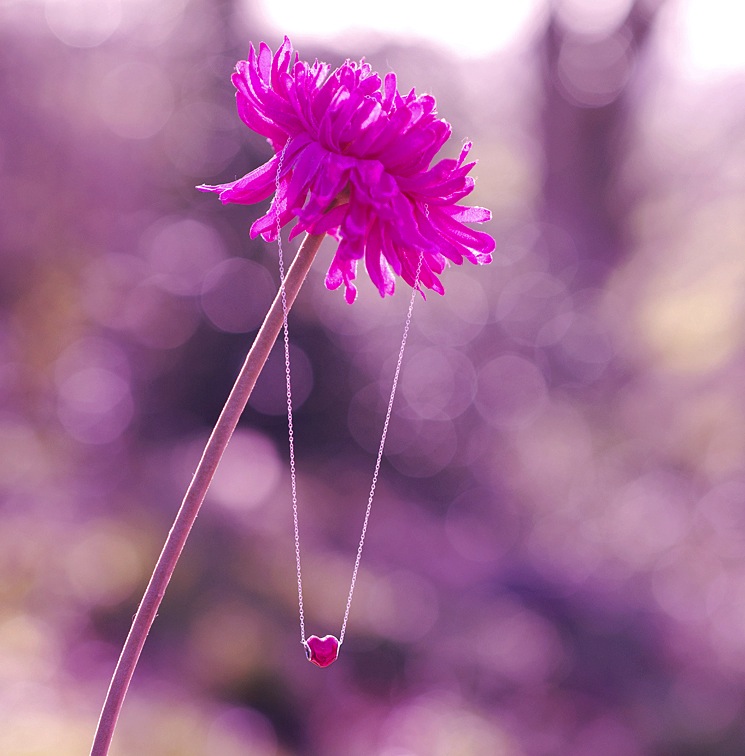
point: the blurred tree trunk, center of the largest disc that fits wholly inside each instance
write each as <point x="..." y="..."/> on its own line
<point x="588" y="83"/>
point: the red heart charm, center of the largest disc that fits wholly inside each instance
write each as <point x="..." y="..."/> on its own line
<point x="322" y="651"/>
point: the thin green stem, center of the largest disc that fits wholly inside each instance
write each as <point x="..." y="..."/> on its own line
<point x="195" y="494"/>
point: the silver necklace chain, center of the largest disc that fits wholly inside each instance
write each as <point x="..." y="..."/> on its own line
<point x="291" y="433"/>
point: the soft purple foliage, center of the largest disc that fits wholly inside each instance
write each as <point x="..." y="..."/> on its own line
<point x="357" y="165"/>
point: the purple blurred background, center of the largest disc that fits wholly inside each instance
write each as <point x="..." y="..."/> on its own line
<point x="556" y="556"/>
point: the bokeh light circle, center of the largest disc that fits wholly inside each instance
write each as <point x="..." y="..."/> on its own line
<point x="135" y="99"/>
<point x="511" y="391"/>
<point x="83" y="23"/>
<point x="236" y="295"/>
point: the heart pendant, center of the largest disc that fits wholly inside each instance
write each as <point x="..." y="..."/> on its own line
<point x="322" y="651"/>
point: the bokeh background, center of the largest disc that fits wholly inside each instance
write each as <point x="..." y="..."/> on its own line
<point x="556" y="557"/>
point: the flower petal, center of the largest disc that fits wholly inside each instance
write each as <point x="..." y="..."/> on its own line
<point x="347" y="137"/>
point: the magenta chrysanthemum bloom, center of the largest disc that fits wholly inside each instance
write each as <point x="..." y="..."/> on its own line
<point x="356" y="165"/>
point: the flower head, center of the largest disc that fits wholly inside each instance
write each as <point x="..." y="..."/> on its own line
<point x="353" y="159"/>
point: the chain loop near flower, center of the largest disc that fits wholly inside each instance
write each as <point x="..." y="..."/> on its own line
<point x="288" y="382"/>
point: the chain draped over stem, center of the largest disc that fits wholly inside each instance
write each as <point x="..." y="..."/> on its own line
<point x="187" y="514"/>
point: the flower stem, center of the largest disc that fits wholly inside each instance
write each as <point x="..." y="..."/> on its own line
<point x="196" y="492"/>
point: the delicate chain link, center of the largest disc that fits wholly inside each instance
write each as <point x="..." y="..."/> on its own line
<point x="383" y="436"/>
<point x="290" y="427"/>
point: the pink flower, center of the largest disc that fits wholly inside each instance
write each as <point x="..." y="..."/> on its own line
<point x="356" y="165"/>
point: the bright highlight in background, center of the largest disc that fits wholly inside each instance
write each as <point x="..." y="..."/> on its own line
<point x="712" y="32"/>
<point x="464" y="32"/>
<point x="706" y="34"/>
